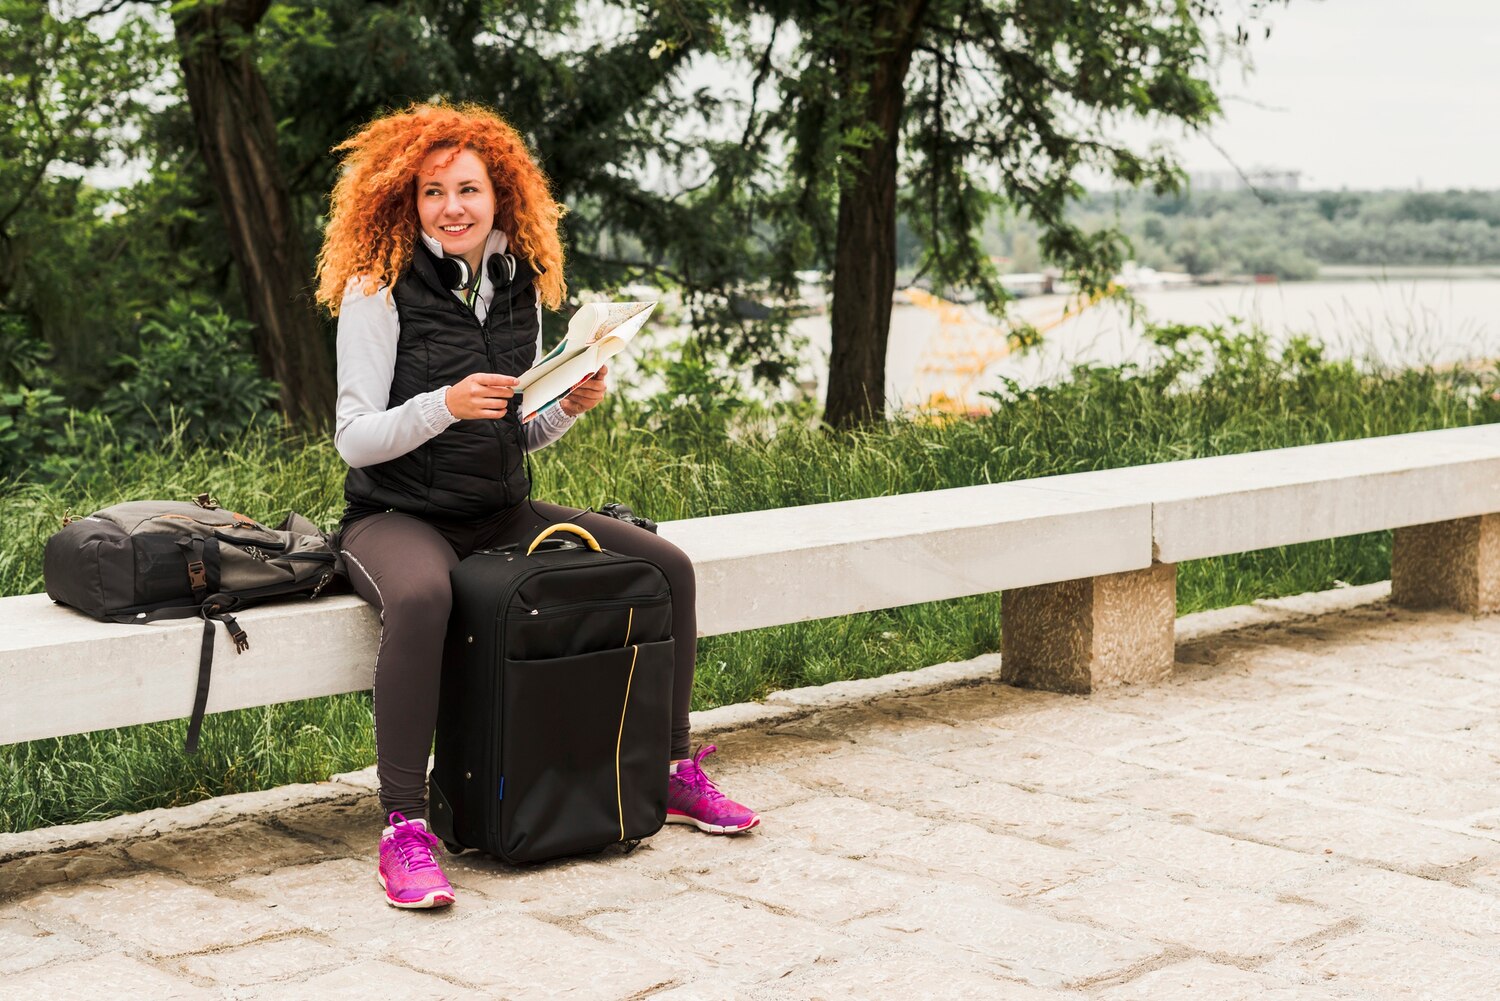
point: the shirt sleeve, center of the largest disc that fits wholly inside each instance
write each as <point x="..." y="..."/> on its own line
<point x="547" y="426"/>
<point x="365" y="431"/>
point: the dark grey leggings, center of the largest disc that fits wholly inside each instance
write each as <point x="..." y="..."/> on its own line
<point x="400" y="564"/>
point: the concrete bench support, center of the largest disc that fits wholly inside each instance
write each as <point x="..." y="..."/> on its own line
<point x="1079" y="635"/>
<point x="1448" y="564"/>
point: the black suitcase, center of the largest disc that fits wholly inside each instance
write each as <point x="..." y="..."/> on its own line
<point x="553" y="733"/>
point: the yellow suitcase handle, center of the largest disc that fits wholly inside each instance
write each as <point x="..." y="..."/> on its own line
<point x="582" y="533"/>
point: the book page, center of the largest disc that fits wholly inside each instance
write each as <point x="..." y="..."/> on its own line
<point x="611" y="330"/>
<point x="615" y="314"/>
<point x="594" y="321"/>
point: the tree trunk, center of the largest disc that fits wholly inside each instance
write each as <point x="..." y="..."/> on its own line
<point x="237" y="134"/>
<point x="864" y="267"/>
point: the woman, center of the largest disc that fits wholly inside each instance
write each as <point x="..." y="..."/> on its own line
<point x="441" y="249"/>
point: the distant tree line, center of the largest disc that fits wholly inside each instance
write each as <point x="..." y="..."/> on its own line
<point x="1285" y="233"/>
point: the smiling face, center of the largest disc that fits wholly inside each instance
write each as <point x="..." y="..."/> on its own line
<point x="456" y="202"/>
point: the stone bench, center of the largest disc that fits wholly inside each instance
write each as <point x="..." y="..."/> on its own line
<point x="1085" y="564"/>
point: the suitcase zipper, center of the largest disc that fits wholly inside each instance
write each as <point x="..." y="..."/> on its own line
<point x="619" y="737"/>
<point x="596" y="605"/>
<point x="497" y="699"/>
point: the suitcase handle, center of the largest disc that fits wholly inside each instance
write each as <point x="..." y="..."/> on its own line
<point x="582" y="533"/>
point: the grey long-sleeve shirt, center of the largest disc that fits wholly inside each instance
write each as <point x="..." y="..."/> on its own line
<point x="365" y="431"/>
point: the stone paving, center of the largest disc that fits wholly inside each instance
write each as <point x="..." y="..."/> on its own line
<point x="1309" y="809"/>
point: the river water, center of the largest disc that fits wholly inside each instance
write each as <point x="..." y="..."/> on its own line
<point x="944" y="352"/>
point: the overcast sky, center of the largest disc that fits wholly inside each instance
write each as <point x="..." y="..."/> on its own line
<point x="1368" y="94"/>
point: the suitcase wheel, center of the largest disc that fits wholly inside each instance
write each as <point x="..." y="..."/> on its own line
<point x="454" y="849"/>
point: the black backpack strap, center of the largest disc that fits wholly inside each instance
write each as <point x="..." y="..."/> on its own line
<point x="200" y="698"/>
<point x="211" y="563"/>
<point x="191" y="611"/>
<point x="216" y="608"/>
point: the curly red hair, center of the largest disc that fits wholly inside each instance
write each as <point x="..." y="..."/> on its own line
<point x="372" y="222"/>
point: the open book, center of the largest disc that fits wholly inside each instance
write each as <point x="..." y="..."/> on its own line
<point x="596" y="333"/>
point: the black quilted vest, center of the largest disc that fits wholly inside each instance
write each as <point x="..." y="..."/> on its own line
<point x="474" y="468"/>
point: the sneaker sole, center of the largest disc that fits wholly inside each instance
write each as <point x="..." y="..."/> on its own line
<point x="682" y="818"/>
<point x="437" y="898"/>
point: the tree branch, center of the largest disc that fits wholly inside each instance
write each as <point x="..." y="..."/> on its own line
<point x="114" y="6"/>
<point x="763" y="71"/>
<point x="642" y="267"/>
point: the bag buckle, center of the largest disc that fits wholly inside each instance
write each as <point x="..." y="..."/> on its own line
<point x="197" y="575"/>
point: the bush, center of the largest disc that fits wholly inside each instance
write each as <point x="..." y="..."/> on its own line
<point x="32" y="414"/>
<point x="31" y="422"/>
<point x="194" y="378"/>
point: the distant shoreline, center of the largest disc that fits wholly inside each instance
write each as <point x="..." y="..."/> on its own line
<point x="1455" y="272"/>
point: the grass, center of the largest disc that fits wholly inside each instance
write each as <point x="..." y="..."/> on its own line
<point x="1211" y="392"/>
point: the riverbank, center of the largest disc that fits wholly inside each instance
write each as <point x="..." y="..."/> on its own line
<point x="949" y="355"/>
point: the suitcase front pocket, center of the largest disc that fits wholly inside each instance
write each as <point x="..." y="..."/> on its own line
<point x="584" y="749"/>
<point x="576" y="627"/>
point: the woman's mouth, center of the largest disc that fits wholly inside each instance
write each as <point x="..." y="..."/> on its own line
<point x="455" y="230"/>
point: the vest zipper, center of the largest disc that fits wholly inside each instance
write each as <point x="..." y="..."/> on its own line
<point x="495" y="422"/>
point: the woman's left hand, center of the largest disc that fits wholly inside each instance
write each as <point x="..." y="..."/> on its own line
<point x="587" y="396"/>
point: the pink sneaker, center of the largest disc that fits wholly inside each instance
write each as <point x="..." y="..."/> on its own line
<point x="693" y="799"/>
<point x="408" y="871"/>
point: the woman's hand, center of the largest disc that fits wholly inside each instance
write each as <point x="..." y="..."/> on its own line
<point x="587" y="396"/>
<point x="482" y="396"/>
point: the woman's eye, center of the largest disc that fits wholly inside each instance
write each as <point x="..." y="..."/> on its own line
<point x="470" y="189"/>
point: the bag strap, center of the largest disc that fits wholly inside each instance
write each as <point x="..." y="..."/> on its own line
<point x="200" y="697"/>
<point x="188" y="611"/>
<point x="197" y="569"/>
<point x="215" y="609"/>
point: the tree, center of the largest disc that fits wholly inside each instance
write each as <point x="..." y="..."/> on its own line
<point x="74" y="97"/>
<point x="236" y="129"/>
<point x="949" y="111"/>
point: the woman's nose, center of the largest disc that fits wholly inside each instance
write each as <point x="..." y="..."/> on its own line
<point x="453" y="206"/>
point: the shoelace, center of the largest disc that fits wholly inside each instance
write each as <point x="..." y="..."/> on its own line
<point x="693" y="776"/>
<point x="414" y="844"/>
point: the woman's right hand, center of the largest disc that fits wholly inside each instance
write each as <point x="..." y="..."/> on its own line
<point x="482" y="396"/>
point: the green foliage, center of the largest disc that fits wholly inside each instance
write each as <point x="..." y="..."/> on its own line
<point x="192" y="378"/>
<point x="91" y="776"/>
<point x="77" y="100"/>
<point x="30" y="427"/>
<point x="696" y="398"/>
<point x="32" y="414"/>
<point x="953" y="112"/>
<point x="1009" y="101"/>
<point x="23" y="354"/>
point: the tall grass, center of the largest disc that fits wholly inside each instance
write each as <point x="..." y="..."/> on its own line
<point x="1209" y="393"/>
